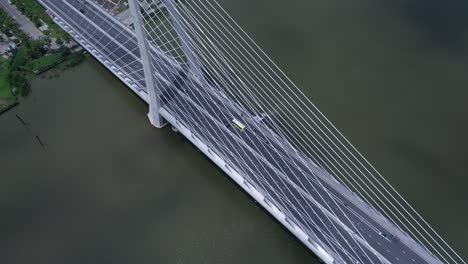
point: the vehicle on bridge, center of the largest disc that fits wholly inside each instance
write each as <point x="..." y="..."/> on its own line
<point x="238" y="124"/>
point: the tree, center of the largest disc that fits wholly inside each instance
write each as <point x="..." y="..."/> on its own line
<point x="64" y="52"/>
<point x="10" y="23"/>
<point x="36" y="20"/>
<point x="59" y="41"/>
<point x="19" y="80"/>
<point x="46" y="41"/>
<point x="36" y="48"/>
<point x="20" y="59"/>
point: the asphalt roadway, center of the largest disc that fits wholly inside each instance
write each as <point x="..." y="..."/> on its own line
<point x="348" y="228"/>
<point x="24" y="23"/>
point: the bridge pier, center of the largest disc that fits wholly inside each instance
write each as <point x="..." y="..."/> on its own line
<point x="156" y="120"/>
<point x="154" y="100"/>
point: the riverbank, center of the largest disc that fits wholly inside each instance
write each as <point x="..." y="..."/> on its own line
<point x="9" y="74"/>
<point x="7" y="99"/>
<point x="62" y="60"/>
<point x="28" y="57"/>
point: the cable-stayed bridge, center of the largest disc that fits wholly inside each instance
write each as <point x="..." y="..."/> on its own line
<point x="201" y="73"/>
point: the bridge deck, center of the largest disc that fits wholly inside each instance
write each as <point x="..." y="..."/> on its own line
<point x="310" y="197"/>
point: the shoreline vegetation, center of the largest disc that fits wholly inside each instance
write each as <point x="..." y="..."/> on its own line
<point x="32" y="57"/>
<point x="37" y="14"/>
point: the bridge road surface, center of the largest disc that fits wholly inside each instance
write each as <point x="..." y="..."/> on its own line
<point x="115" y="41"/>
<point x="317" y="203"/>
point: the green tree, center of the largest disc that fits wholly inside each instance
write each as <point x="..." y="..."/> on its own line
<point x="19" y="80"/>
<point x="10" y="23"/>
<point x="64" y="51"/>
<point x="36" y="20"/>
<point x="59" y="41"/>
<point x="67" y="38"/>
<point x="20" y="59"/>
<point x="36" y="48"/>
<point x="46" y="41"/>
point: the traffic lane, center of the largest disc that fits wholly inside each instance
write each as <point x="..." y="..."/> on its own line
<point x="136" y="72"/>
<point x="185" y="119"/>
<point x="99" y="29"/>
<point x="115" y="29"/>
<point x="122" y="36"/>
<point x="258" y="143"/>
<point x="106" y="46"/>
<point x="251" y="157"/>
<point x="99" y="17"/>
<point x="127" y="63"/>
<point x="249" y="140"/>
<point x="382" y="245"/>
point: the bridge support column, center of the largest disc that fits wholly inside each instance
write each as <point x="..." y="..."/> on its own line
<point x="153" y="92"/>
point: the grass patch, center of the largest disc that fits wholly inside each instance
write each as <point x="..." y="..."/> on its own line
<point x="5" y="87"/>
<point x="6" y="95"/>
<point x="43" y="62"/>
<point x="21" y="58"/>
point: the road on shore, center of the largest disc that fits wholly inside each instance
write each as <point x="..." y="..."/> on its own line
<point x="23" y="22"/>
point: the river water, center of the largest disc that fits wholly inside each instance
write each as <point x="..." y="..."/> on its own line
<point x="109" y="188"/>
